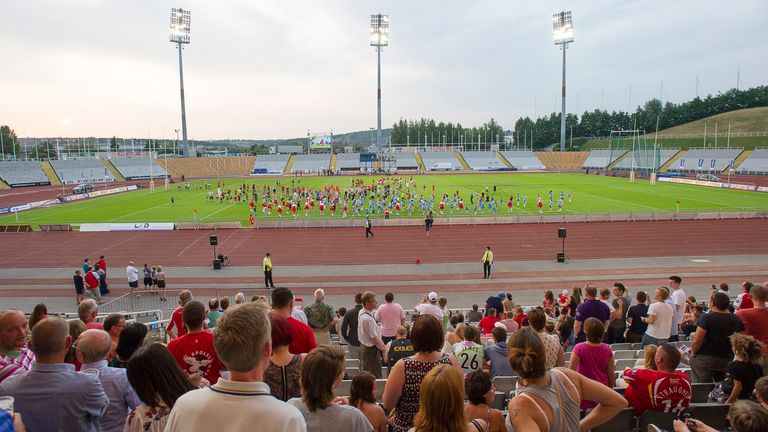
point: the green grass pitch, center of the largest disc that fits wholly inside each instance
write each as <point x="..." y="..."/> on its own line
<point x="590" y="194"/>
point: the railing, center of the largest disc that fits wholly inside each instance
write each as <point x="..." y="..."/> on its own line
<point x="140" y="301"/>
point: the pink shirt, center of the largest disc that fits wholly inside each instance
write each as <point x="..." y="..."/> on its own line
<point x="593" y="362"/>
<point x="390" y="315"/>
<point x="94" y="326"/>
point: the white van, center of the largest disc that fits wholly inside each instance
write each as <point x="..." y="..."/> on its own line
<point x="442" y="166"/>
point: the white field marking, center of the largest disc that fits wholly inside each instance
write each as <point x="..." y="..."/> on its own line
<point x="700" y="260"/>
<point x="191" y="244"/>
<point x="151" y="208"/>
<point x="624" y="202"/>
<point x="218" y="211"/>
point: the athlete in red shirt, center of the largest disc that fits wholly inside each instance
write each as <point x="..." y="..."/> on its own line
<point x="664" y="390"/>
<point x="194" y="352"/>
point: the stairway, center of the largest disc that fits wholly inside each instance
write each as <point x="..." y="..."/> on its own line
<point x="332" y="165"/>
<point x="673" y="160"/>
<point x="113" y="169"/>
<point x="462" y="161"/>
<point x="420" y="162"/>
<point x="739" y="159"/>
<point x="503" y="159"/>
<point x="627" y="154"/>
<point x="50" y="173"/>
<point x="289" y="165"/>
<point x="4" y="185"/>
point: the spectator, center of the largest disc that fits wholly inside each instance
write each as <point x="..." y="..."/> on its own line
<point x="349" y="327"/>
<point x="649" y="358"/>
<point x="284" y="370"/>
<point x="454" y="337"/>
<point x="76" y="328"/>
<point x="175" y="329"/>
<point x="429" y="305"/>
<point x="39" y="312"/>
<point x="743" y="416"/>
<point x="688" y="325"/>
<point x="159" y="382"/>
<point x="761" y="392"/>
<point x="361" y="396"/>
<point x="131" y="338"/>
<point x="489" y="322"/>
<point x="213" y="312"/>
<point x="551" y="398"/>
<point x="605" y="297"/>
<point x="474" y="316"/>
<point x="497" y="355"/>
<point x="86" y="265"/>
<point x="444" y="412"/>
<point x="665" y="389"/>
<point x="336" y="329"/>
<point x="391" y="316"/>
<point x="243" y="344"/>
<point x="677" y="294"/>
<point x="520" y="317"/>
<point x="469" y="354"/>
<point x="508" y="304"/>
<point x="15" y="356"/>
<point x="194" y="351"/>
<point x="495" y="302"/>
<point x="52" y="396"/>
<point x="133" y="276"/>
<point x="677" y="315"/>
<point x="592" y="307"/>
<point x="320" y="317"/>
<point x="593" y="358"/>
<point x="92" y="283"/>
<point x="659" y="319"/>
<point x="618" y="325"/>
<point x="442" y="303"/>
<point x="87" y="311"/>
<point x="323" y="370"/>
<point x="553" y="350"/>
<point x="297" y="313"/>
<point x="113" y="325"/>
<point x="404" y="381"/>
<point x="548" y="304"/>
<point x="710" y="350"/>
<point x="575" y="301"/>
<point x="79" y="283"/>
<point x="743" y="372"/>
<point x="635" y="315"/>
<point x="755" y="319"/>
<point x="480" y="393"/>
<point x="161" y="282"/>
<point x="92" y="349"/>
<point x="744" y="299"/>
<point x="224" y="304"/>
<point x="399" y="348"/>
<point x="103" y="290"/>
<point x="239" y="298"/>
<point x="371" y="346"/>
<point x="303" y="340"/>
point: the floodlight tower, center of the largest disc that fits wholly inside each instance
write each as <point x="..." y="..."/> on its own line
<point x="180" y="26"/>
<point x="562" y="31"/>
<point x="379" y="39"/>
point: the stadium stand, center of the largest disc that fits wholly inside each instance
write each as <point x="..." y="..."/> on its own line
<point x="644" y="159"/>
<point x="139" y="168"/>
<point x="523" y="160"/>
<point x="348" y="162"/>
<point x="207" y="167"/>
<point x="406" y="161"/>
<point x="82" y="171"/>
<point x="562" y="160"/>
<point x="311" y="163"/>
<point x="483" y="161"/>
<point x="270" y="164"/>
<point x="440" y="161"/>
<point x="703" y="160"/>
<point x="601" y="158"/>
<point x="23" y="173"/>
<point x="756" y="163"/>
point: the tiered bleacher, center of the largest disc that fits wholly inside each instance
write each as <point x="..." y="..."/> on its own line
<point x="645" y="159"/>
<point x="523" y="160"/>
<point x="483" y="161"/>
<point x="443" y="161"/>
<point x="270" y="164"/>
<point x="139" y="168"/>
<point x="716" y="160"/>
<point x="555" y="160"/>
<point x="82" y="171"/>
<point x="23" y="173"/>
<point x="756" y="163"/>
<point x="348" y="162"/>
<point x="406" y="161"/>
<point x="599" y="159"/>
<point x="311" y="163"/>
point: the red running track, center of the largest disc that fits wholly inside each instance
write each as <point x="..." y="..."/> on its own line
<point x="398" y="245"/>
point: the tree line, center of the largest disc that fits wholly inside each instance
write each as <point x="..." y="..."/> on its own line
<point x="428" y="132"/>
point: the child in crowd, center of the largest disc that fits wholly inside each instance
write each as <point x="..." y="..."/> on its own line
<point x="593" y="358"/>
<point x="743" y="372"/>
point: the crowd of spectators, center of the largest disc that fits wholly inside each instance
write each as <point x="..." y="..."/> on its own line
<point x="265" y="363"/>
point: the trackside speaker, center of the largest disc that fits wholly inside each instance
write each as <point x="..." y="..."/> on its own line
<point x="214" y="240"/>
<point x="561" y="257"/>
<point x="561" y="233"/>
<point x="217" y="264"/>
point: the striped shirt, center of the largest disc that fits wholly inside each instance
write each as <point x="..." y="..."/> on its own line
<point x="20" y="364"/>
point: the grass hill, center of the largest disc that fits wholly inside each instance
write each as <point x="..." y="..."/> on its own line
<point x="746" y="120"/>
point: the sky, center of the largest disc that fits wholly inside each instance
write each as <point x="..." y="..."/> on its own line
<point x="262" y="69"/>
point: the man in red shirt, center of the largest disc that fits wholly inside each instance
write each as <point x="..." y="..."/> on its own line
<point x="194" y="352"/>
<point x="520" y="316"/>
<point x="744" y="300"/>
<point x="303" y="338"/>
<point x="487" y="323"/>
<point x="666" y="389"/>
<point x="175" y="328"/>
<point x="755" y="319"/>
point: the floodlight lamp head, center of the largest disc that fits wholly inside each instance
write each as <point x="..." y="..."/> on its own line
<point x="379" y="30"/>
<point x="562" y="27"/>
<point x="180" y="26"/>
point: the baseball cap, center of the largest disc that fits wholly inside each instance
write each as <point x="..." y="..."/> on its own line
<point x="297" y="299"/>
<point x="502" y="295"/>
<point x="432" y="296"/>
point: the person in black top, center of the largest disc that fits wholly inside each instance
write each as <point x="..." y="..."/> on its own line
<point x="635" y="317"/>
<point x="368" y="227"/>
<point x="79" y="286"/>
<point x="349" y="327"/>
<point x="398" y="348"/>
<point x="743" y="372"/>
<point x="428" y="222"/>
<point x="711" y="349"/>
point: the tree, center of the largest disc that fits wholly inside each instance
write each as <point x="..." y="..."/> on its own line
<point x="10" y="142"/>
<point x="113" y="145"/>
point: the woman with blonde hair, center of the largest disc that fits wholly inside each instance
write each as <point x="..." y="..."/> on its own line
<point x="441" y="403"/>
<point x="454" y="337"/>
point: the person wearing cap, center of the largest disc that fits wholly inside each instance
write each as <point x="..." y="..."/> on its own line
<point x="495" y="302"/>
<point x="487" y="262"/>
<point x="429" y="305"/>
<point x="268" y="271"/>
<point x="133" y="276"/>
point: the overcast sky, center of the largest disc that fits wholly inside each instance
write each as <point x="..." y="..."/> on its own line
<point x="276" y="69"/>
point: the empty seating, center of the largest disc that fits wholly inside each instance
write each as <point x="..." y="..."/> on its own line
<point x="555" y="160"/>
<point x="602" y="158"/>
<point x="270" y="164"/>
<point x="523" y="160"/>
<point x="23" y="173"/>
<point x="645" y="159"/>
<point x="621" y="347"/>
<point x="483" y="160"/>
<point x="445" y="161"/>
<point x="620" y="355"/>
<point x="756" y="163"/>
<point x="82" y="171"/>
<point x="311" y="163"/>
<point x="657" y="418"/>
<point x="700" y="392"/>
<point x="703" y="160"/>
<point x="622" y="364"/>
<point x="208" y="167"/>
<point x="404" y="161"/>
<point x="139" y="168"/>
<point x="349" y="162"/>
<point x="622" y="422"/>
<point x="712" y="415"/>
<point x="505" y="384"/>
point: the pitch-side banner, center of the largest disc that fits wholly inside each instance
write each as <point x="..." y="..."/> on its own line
<point x="320" y="141"/>
<point x="139" y="226"/>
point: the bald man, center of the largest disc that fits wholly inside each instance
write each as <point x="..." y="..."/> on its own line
<point x="320" y="317"/>
<point x="15" y="356"/>
<point x="52" y="397"/>
<point x="92" y="349"/>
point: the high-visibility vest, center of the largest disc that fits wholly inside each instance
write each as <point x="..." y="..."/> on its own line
<point x="267" y="264"/>
<point x="488" y="256"/>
